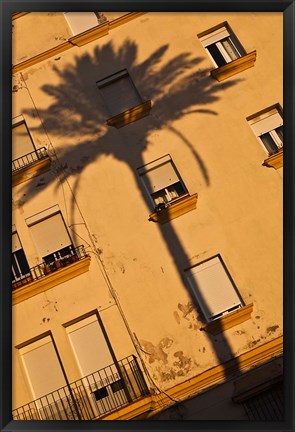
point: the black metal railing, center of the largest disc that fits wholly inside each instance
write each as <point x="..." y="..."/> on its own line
<point x="41" y="270"/>
<point x="91" y="397"/>
<point x="29" y="159"/>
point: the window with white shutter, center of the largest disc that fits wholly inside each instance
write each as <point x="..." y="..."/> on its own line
<point x="213" y="288"/>
<point x="267" y="125"/>
<point x="162" y="181"/>
<point x="119" y="92"/>
<point x="22" y="143"/>
<point x="50" y="234"/>
<point x="221" y="45"/>
<point x="82" y="21"/>
<point x="42" y="367"/>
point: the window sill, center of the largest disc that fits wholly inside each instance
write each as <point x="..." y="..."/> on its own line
<point x="30" y="171"/>
<point x="51" y="280"/>
<point x="234" y="67"/>
<point x="130" y="115"/>
<point x="275" y="161"/>
<point x="229" y="320"/>
<point x="175" y="209"/>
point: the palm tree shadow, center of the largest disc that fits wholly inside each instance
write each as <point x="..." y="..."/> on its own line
<point x="177" y="87"/>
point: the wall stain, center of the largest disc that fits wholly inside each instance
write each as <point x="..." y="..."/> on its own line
<point x="176" y="316"/>
<point x="156" y="352"/>
<point x="272" y="329"/>
<point x="186" y="309"/>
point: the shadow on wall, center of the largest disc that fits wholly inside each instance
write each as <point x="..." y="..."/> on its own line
<point x="177" y="89"/>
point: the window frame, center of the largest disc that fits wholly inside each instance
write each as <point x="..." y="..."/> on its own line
<point x="233" y="309"/>
<point x="231" y="37"/>
<point x="273" y="159"/>
<point x="232" y="66"/>
<point x="130" y="114"/>
<point x="161" y="161"/>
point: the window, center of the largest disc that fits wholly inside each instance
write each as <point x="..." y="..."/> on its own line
<point x="50" y="235"/>
<point x="103" y="378"/>
<point x="20" y="267"/>
<point x="222" y="45"/>
<point x="225" y="51"/>
<point x="42" y="367"/>
<point x="27" y="161"/>
<point x="267" y="125"/>
<point x="162" y="182"/>
<point x="213" y="288"/>
<point x="119" y="92"/>
<point x="122" y="99"/>
<point x="89" y="345"/>
<point x="82" y="21"/>
<point x="22" y="143"/>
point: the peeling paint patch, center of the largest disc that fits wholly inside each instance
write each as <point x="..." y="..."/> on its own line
<point x="156" y="352"/>
<point x="182" y="362"/>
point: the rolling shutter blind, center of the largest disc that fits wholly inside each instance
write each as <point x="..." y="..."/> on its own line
<point x="89" y="345"/>
<point x="42" y="367"/>
<point x="80" y="21"/>
<point x="21" y="141"/>
<point x="120" y="95"/>
<point x="267" y="124"/>
<point x="214" y="37"/>
<point x="159" y="175"/>
<point x="212" y="288"/>
<point x="16" y="243"/>
<point x="50" y="235"/>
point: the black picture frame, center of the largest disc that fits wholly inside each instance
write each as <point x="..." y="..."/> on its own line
<point x="7" y="7"/>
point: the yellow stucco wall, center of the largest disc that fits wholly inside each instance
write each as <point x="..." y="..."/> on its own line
<point x="202" y="124"/>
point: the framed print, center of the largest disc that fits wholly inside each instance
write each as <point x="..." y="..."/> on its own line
<point x="150" y="230"/>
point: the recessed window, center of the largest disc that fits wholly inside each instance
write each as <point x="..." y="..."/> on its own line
<point x="213" y="288"/>
<point x="162" y="182"/>
<point x="20" y="267"/>
<point x="27" y="161"/>
<point x="226" y="52"/>
<point x="119" y="92"/>
<point x="221" y="45"/>
<point x="43" y="369"/>
<point x="50" y="235"/>
<point x="267" y="125"/>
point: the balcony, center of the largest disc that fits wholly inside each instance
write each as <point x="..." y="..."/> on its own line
<point x="47" y="275"/>
<point x="91" y="397"/>
<point x="30" y="165"/>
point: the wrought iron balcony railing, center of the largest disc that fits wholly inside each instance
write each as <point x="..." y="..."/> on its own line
<point x="29" y="159"/>
<point x="91" y="397"/>
<point x="41" y="270"/>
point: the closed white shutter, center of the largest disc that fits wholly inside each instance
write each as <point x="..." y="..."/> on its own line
<point x="50" y="235"/>
<point x="266" y="124"/>
<point x="42" y="367"/>
<point x="21" y="141"/>
<point x="16" y="245"/>
<point x="214" y="37"/>
<point x="212" y="288"/>
<point x="89" y="345"/>
<point x="159" y="174"/>
<point x="120" y="95"/>
<point x="80" y="21"/>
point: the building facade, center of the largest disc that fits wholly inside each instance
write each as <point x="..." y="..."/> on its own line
<point x="147" y="216"/>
